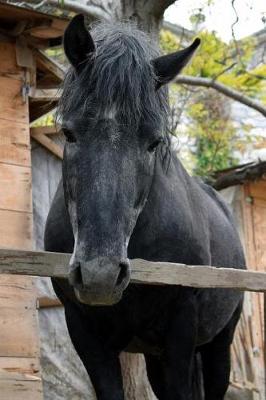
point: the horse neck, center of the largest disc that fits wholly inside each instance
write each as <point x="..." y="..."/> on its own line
<point x="168" y="199"/>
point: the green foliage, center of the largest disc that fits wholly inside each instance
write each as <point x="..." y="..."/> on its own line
<point x="211" y="126"/>
<point x="212" y="158"/>
<point x="46" y="120"/>
<point x="57" y="54"/>
<point x="208" y="114"/>
<point x="168" y="42"/>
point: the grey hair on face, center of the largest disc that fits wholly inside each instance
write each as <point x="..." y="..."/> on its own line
<point x="120" y="75"/>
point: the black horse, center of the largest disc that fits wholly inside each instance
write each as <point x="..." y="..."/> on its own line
<point x="126" y="195"/>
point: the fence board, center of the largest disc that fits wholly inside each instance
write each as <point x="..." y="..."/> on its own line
<point x="20" y="387"/>
<point x="142" y="272"/>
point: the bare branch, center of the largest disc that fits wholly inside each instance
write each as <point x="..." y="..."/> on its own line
<point x="238" y="51"/>
<point x="227" y="91"/>
<point x="233" y="25"/>
<point x="224" y="71"/>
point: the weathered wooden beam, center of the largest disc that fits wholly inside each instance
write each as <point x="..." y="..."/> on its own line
<point x="49" y="65"/>
<point x="240" y="175"/>
<point x="43" y="95"/>
<point x="46" y="28"/>
<point x="49" y="144"/>
<point x="17" y="376"/>
<point x="48" y="302"/>
<point x="142" y="272"/>
<point x="44" y="130"/>
<point x="264" y="299"/>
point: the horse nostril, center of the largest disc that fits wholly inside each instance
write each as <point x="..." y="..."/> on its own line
<point x="123" y="273"/>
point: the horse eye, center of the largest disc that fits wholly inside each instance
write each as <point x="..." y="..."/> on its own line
<point x="69" y="135"/>
<point x="154" y="145"/>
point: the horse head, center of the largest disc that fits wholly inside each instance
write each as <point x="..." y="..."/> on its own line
<point x="114" y="116"/>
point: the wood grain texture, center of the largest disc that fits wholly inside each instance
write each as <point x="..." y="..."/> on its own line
<point x="8" y="64"/>
<point x="14" y="142"/>
<point x="258" y="189"/>
<point x="44" y="130"/>
<point x="44" y="95"/>
<point x="12" y="105"/>
<point x="47" y="29"/>
<point x="49" y="144"/>
<point x="48" y="302"/>
<point x="48" y="65"/>
<point x="18" y="315"/>
<point x="142" y="272"/>
<point x="17" y="290"/>
<point x="254" y="208"/>
<point x="264" y="349"/>
<point x="15" y="183"/>
<point x="25" y="365"/>
<point x="24" y="54"/>
<point x="18" y="331"/>
<point x="20" y="387"/>
<point x="15" y="229"/>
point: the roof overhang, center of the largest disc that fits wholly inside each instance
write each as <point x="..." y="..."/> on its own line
<point x="36" y="25"/>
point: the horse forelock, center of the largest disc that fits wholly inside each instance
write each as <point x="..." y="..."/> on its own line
<point x="118" y="81"/>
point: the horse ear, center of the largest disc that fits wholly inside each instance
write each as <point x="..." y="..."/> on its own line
<point x="168" y="66"/>
<point x="78" y="43"/>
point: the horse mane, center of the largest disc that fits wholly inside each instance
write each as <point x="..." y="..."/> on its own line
<point x="120" y="76"/>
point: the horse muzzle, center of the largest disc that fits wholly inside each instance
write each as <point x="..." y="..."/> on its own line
<point x="100" y="281"/>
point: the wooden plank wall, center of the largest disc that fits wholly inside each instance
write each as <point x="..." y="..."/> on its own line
<point x="254" y="207"/>
<point x="19" y="343"/>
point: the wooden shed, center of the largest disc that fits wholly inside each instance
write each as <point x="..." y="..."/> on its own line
<point x="25" y="75"/>
<point x="244" y="188"/>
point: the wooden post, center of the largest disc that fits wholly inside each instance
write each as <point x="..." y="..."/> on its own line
<point x="38" y="263"/>
<point x="254" y="209"/>
<point x="19" y="341"/>
<point x="265" y="344"/>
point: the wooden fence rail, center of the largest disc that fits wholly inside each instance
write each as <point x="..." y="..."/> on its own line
<point x="39" y="263"/>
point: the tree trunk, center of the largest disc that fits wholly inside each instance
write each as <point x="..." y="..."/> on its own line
<point x="148" y="15"/>
<point x="136" y="384"/>
<point x="142" y="14"/>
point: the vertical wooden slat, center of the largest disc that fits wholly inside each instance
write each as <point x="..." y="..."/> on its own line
<point x="254" y="212"/>
<point x="19" y="341"/>
<point x="265" y="343"/>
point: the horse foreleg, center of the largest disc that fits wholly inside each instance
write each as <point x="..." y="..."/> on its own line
<point x="216" y="362"/>
<point x="102" y="365"/>
<point x="155" y="374"/>
<point x="178" y="357"/>
<point x="216" y="370"/>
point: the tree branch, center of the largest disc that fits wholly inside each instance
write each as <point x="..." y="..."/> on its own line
<point x="227" y="91"/>
<point x="95" y="11"/>
<point x="159" y="6"/>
